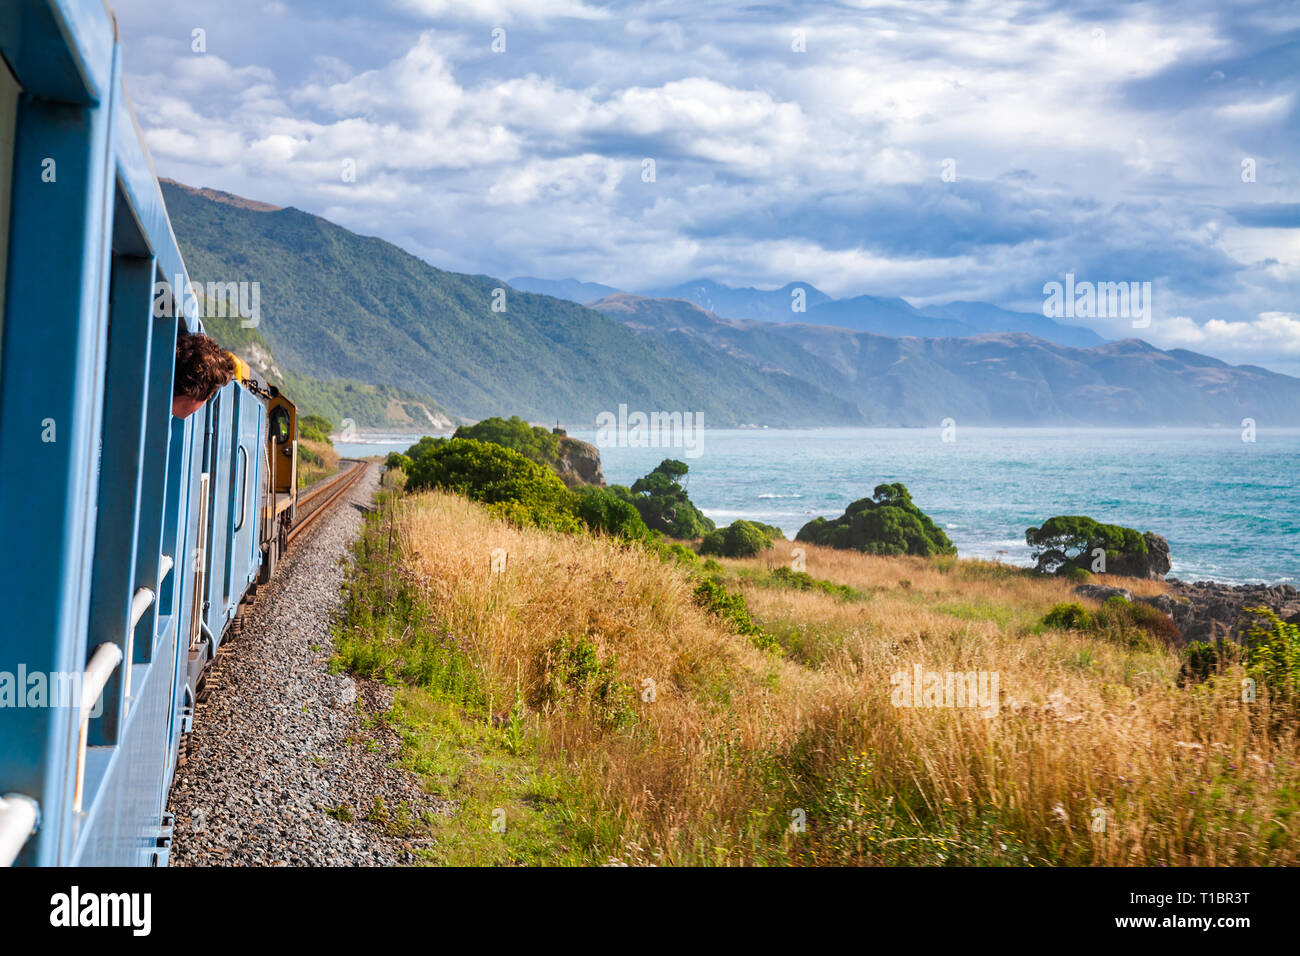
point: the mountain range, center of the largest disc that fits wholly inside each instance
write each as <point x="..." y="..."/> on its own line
<point x="802" y="302"/>
<point x="337" y="305"/>
<point x="349" y="317"/>
<point x="1005" y="378"/>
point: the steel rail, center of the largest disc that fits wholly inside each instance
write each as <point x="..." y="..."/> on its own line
<point x="338" y="487"/>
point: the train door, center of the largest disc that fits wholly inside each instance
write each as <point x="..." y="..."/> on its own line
<point x="217" y="465"/>
<point x="243" y="557"/>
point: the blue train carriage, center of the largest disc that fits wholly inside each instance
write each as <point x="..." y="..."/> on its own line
<point x="130" y="537"/>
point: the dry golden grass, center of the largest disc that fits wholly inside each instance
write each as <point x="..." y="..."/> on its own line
<point x="310" y="472"/>
<point x="738" y="739"/>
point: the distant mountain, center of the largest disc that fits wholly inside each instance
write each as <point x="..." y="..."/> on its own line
<point x="893" y="317"/>
<point x="862" y="313"/>
<point x="989" y="318"/>
<point x="337" y="399"/>
<point x="772" y="305"/>
<point x="1006" y="378"/>
<point x="336" y="305"/>
<point x="869" y="313"/>
<point x="571" y="289"/>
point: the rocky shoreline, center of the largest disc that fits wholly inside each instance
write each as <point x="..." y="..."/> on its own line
<point x="1210" y="610"/>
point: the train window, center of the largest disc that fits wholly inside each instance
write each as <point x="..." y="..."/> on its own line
<point x="8" y="117"/>
<point x="280" y="425"/>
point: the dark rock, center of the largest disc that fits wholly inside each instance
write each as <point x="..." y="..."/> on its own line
<point x="1101" y="593"/>
<point x="1207" y="610"/>
<point x="1153" y="564"/>
<point x="579" y="463"/>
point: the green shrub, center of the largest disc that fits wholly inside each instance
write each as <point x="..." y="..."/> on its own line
<point x="577" y="677"/>
<point x="1117" y="620"/>
<point x="772" y="531"/>
<point x="532" y="441"/>
<point x="730" y="607"/>
<point x="886" y="523"/>
<point x="803" y="581"/>
<point x="1075" y="574"/>
<point x="663" y="504"/>
<point x="1068" y="617"/>
<point x="1272" y="653"/>
<point x="315" y="428"/>
<point x="396" y="459"/>
<point x="512" y="486"/>
<point x="740" y="539"/>
<point x="1070" y="541"/>
<point x="1203" y="659"/>
<point x="604" y="511"/>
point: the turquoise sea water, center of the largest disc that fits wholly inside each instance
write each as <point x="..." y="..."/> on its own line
<point x="1230" y="509"/>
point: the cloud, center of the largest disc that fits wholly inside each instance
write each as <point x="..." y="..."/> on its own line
<point x="503" y="11"/>
<point x="1262" y="340"/>
<point x="1108" y="143"/>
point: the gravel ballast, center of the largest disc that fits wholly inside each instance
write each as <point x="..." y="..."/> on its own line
<point x="283" y="765"/>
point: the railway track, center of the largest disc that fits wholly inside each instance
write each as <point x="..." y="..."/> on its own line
<point x="321" y="496"/>
<point x="317" y="501"/>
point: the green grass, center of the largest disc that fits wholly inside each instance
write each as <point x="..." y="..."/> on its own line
<point x="510" y="805"/>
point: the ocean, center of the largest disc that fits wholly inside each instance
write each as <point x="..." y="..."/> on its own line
<point x="1229" y="508"/>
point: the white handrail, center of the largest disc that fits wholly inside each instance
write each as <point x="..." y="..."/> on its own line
<point x="102" y="664"/>
<point x="142" y="601"/>
<point x="19" y="816"/>
<point x="140" y="604"/>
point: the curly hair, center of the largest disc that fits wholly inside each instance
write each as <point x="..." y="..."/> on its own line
<point x="202" y="367"/>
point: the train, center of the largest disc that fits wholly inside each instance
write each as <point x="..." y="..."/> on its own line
<point x="131" y="539"/>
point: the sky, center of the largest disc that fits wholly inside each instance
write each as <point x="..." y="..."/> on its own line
<point x="934" y="151"/>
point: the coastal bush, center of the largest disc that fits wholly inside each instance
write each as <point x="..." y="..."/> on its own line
<point x="729" y="607"/>
<point x="887" y="523"/>
<point x="664" y="505"/>
<point x="315" y="428"/>
<point x="603" y="510"/>
<point x="512" y="486"/>
<point x="740" y="539"/>
<point x="1202" y="659"/>
<point x="1069" y="543"/>
<point x="803" y="581"/>
<point x="1116" y="620"/>
<point x="1068" y="617"/>
<point x="1272" y="653"/>
<point x="532" y="441"/>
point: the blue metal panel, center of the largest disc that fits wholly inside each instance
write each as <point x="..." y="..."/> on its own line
<point x="94" y="523"/>
<point x="179" y="530"/>
<point x="121" y="828"/>
<point x="53" y="366"/>
<point x="145" y="200"/>
<point x="120" y="468"/>
<point x="60" y="50"/>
